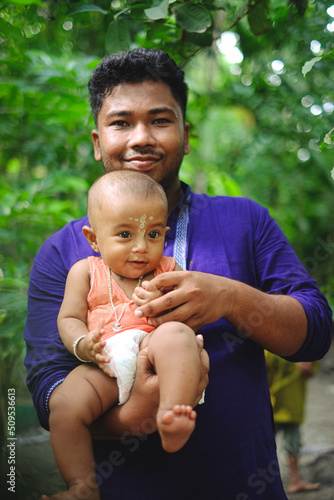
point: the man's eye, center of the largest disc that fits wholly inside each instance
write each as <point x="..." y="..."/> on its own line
<point x="119" y="123"/>
<point x="161" y="120"/>
<point x="153" y="234"/>
<point x="125" y="234"/>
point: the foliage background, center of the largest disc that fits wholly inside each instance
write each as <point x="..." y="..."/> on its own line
<point x="251" y="134"/>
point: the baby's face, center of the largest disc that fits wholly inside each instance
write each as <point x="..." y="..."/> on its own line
<point x="131" y="235"/>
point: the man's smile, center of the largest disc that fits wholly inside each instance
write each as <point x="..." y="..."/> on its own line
<point x="143" y="161"/>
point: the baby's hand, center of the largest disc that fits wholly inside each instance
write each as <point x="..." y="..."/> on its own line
<point x="95" y="347"/>
<point x="145" y="293"/>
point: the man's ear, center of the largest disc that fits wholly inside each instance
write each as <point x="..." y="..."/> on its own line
<point x="186" y="149"/>
<point x="91" y="238"/>
<point x="96" y="143"/>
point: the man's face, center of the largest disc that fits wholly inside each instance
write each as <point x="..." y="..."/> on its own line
<point x="140" y="126"/>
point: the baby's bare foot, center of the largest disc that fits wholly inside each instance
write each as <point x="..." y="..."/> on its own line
<point x="175" y="426"/>
<point x="78" y="492"/>
<point x="62" y="495"/>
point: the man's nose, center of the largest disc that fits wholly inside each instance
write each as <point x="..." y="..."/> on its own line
<point x="141" y="136"/>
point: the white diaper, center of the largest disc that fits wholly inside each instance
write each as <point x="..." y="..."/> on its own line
<point x="123" y="350"/>
<point x="202" y="400"/>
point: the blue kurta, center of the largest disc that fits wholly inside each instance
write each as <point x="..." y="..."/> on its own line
<point x="232" y="454"/>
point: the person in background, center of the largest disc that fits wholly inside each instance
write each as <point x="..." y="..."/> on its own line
<point x="242" y="288"/>
<point x="288" y="385"/>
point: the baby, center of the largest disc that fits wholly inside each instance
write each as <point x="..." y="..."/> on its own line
<point x="127" y="213"/>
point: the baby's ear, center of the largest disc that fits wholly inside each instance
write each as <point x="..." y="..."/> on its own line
<point x="91" y="238"/>
<point x="167" y="230"/>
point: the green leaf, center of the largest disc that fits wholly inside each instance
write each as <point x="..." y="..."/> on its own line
<point x="258" y="18"/>
<point x="328" y="55"/>
<point x="192" y="17"/>
<point x="118" y="36"/>
<point x="309" y="65"/>
<point x="328" y="140"/>
<point x="201" y="39"/>
<point x="158" y="12"/>
<point x="87" y="8"/>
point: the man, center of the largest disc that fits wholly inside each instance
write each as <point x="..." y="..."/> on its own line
<point x="244" y="289"/>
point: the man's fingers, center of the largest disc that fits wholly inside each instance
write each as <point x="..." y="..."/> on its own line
<point x="182" y="314"/>
<point x="143" y="363"/>
<point x="205" y="361"/>
<point x="157" y="306"/>
<point x="200" y="341"/>
<point x="189" y="300"/>
<point x="180" y="287"/>
<point x="169" y="280"/>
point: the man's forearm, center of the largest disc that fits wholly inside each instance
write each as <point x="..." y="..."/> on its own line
<point x="276" y="322"/>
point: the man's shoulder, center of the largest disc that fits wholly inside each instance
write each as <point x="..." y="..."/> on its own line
<point x="68" y="244"/>
<point x="72" y="230"/>
<point x="227" y="205"/>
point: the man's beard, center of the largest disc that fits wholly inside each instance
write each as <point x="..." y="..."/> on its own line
<point x="166" y="180"/>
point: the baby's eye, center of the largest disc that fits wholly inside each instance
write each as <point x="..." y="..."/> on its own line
<point x="153" y="234"/>
<point x="125" y="234"/>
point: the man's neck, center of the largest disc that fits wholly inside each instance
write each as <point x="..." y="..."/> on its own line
<point x="174" y="195"/>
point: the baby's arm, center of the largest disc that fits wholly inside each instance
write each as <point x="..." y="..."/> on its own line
<point x="148" y="291"/>
<point x="72" y="318"/>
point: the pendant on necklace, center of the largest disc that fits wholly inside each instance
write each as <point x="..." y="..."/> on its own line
<point x="116" y="328"/>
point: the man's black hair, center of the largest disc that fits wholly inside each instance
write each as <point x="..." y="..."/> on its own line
<point x="135" y="66"/>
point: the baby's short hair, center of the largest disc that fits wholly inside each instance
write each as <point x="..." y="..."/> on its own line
<point x="129" y="183"/>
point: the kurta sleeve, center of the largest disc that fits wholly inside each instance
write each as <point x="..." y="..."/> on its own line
<point x="279" y="271"/>
<point x="47" y="359"/>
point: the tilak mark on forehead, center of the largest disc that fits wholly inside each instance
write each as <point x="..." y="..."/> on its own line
<point x="142" y="223"/>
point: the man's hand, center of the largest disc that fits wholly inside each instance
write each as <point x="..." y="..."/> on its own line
<point x="189" y="297"/>
<point x="197" y="299"/>
<point x="205" y="367"/>
<point x="137" y="417"/>
<point x="145" y="293"/>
